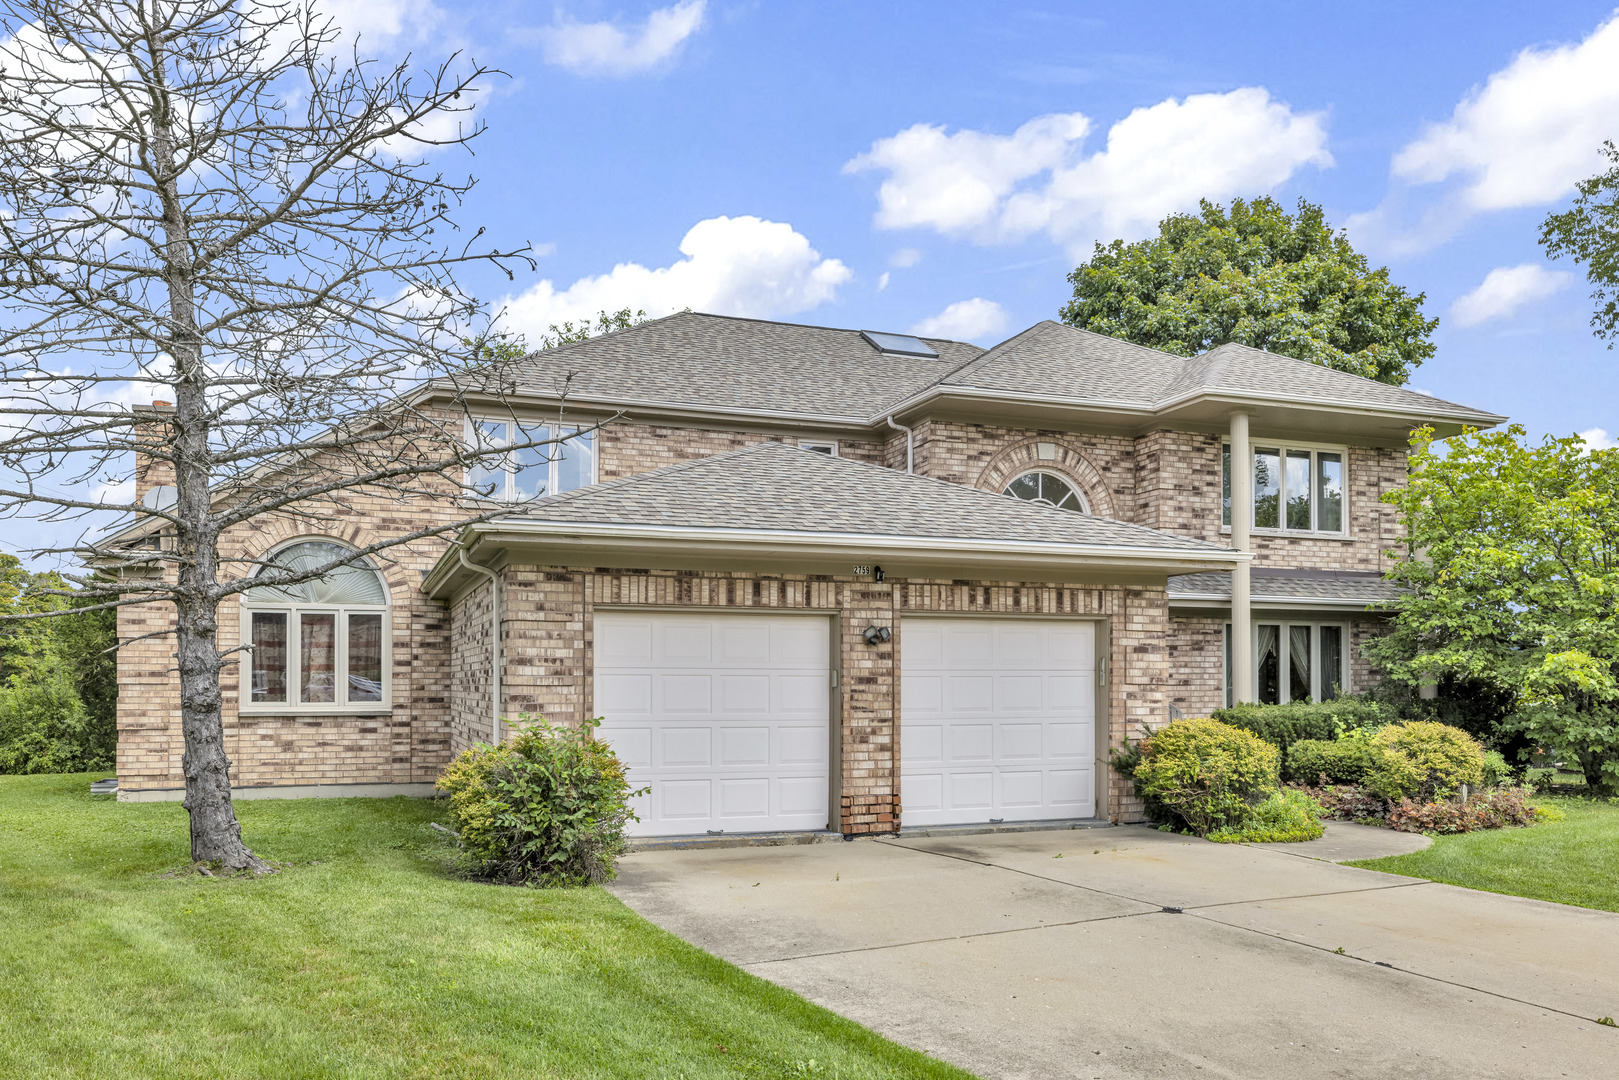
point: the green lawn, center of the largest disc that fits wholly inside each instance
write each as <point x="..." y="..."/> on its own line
<point x="1573" y="861"/>
<point x="363" y="958"/>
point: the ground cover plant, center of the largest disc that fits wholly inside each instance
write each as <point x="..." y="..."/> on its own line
<point x="364" y="957"/>
<point x="1569" y="860"/>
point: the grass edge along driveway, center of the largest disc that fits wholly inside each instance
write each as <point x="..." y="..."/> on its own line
<point x="363" y="958"/>
<point x="1572" y="861"/>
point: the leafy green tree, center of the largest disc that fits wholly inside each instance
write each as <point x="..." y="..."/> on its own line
<point x="1512" y="571"/>
<point x="1257" y="276"/>
<point x="1588" y="233"/>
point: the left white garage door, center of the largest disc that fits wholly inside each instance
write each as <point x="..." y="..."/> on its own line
<point x="725" y="717"/>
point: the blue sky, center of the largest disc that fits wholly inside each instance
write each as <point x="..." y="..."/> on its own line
<point x="940" y="167"/>
<point x="872" y="165"/>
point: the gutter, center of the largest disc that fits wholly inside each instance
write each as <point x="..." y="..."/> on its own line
<point x="495" y="732"/>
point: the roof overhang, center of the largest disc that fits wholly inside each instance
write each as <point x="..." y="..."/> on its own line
<point x="657" y="547"/>
<point x="1222" y="602"/>
<point x="1277" y="417"/>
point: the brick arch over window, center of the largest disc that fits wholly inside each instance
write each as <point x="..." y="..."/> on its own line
<point x="1065" y="461"/>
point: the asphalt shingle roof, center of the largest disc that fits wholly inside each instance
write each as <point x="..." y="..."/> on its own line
<point x="715" y="361"/>
<point x="1336" y="586"/>
<point x="720" y="362"/>
<point x="1057" y="360"/>
<point x="776" y="487"/>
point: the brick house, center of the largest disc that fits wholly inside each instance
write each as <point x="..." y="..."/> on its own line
<point x="824" y="579"/>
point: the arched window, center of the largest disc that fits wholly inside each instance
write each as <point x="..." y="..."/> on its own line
<point x="1047" y="488"/>
<point x="319" y="645"/>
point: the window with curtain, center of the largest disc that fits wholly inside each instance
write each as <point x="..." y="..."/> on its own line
<point x="548" y="469"/>
<point x="1295" y="489"/>
<point x="1294" y="662"/>
<point x="320" y="644"/>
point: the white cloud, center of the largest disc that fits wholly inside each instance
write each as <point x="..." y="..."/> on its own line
<point x="882" y="282"/>
<point x="604" y="49"/>
<point x="904" y="258"/>
<point x="1506" y="289"/>
<point x="1598" y="439"/>
<point x="1530" y="132"/>
<point x="965" y="320"/>
<point x="1156" y="161"/>
<point x="732" y="266"/>
<point x="375" y="21"/>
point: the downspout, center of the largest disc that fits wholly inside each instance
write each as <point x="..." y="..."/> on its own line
<point x="910" y="443"/>
<point x="495" y="733"/>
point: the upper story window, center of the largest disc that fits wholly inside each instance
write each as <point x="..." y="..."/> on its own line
<point x="1296" y="488"/>
<point x="321" y="645"/>
<point x="1047" y="488"/>
<point x="830" y="449"/>
<point x="547" y="469"/>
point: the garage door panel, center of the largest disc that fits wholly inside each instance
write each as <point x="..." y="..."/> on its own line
<point x="745" y="694"/>
<point x="624" y="695"/>
<point x="725" y="718"/>
<point x="686" y="748"/>
<point x="807" y="695"/>
<point x="997" y="719"/>
<point x="684" y="694"/>
<point x="799" y="746"/>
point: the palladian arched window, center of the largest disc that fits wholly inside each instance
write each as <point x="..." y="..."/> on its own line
<point x="1047" y="488"/>
<point x="321" y="645"/>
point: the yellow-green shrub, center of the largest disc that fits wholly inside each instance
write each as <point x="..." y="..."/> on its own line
<point x="1286" y="817"/>
<point x="1204" y="775"/>
<point x="1424" y="761"/>
<point x="546" y="808"/>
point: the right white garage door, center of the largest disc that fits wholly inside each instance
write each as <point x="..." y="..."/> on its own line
<point x="997" y="720"/>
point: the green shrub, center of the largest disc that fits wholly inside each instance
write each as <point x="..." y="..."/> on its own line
<point x="45" y="728"/>
<point x="546" y="808"/>
<point x="1204" y="775"/>
<point x="1424" y="761"/>
<point x="1497" y="771"/>
<point x="1334" y="761"/>
<point x="1283" y="725"/>
<point x="1287" y="817"/>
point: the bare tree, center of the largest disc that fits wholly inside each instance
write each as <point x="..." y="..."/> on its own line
<point x="222" y="205"/>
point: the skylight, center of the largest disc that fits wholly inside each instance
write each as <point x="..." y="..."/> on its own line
<point x="902" y="344"/>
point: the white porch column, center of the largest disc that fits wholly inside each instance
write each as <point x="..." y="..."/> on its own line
<point x="1242" y="515"/>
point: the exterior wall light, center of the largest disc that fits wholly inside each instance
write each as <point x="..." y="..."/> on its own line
<point x="876" y="635"/>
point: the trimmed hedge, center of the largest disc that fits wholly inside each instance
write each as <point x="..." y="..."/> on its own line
<point x="1204" y="775"/>
<point x="1336" y="761"/>
<point x="1283" y="725"/>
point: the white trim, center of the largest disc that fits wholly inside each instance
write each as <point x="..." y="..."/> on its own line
<point x="1259" y="601"/>
<point x="1282" y="448"/>
<point x="1068" y="481"/>
<point x="554" y="455"/>
<point x="817" y="444"/>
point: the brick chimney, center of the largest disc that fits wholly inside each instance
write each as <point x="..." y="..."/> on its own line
<point x="152" y="430"/>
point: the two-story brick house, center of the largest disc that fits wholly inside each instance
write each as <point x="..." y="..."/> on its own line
<point x="829" y="579"/>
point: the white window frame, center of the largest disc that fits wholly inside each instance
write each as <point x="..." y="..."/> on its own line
<point x="508" y="466"/>
<point x="1284" y="646"/>
<point x="1084" y="503"/>
<point x="246" y="706"/>
<point x="830" y="445"/>
<point x="1282" y="446"/>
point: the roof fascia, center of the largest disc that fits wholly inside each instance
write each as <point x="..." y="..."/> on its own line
<point x="681" y="543"/>
<point x="1177" y="599"/>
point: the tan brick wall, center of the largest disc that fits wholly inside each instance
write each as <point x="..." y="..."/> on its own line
<point x="1102" y="467"/>
<point x="471" y="701"/>
<point x="549" y="633"/>
<point x="1197" y="665"/>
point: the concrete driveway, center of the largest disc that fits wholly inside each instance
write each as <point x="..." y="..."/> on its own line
<point x="1131" y="953"/>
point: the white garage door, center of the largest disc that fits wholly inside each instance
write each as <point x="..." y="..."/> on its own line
<point x="724" y="717"/>
<point x="998" y="720"/>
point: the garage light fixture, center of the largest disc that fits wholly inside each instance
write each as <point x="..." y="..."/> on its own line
<point x="876" y="635"/>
